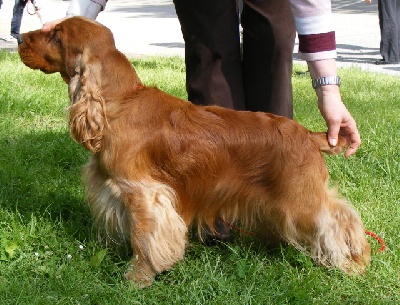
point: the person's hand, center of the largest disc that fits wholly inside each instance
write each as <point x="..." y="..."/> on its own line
<point x="338" y="118"/>
<point x="48" y="26"/>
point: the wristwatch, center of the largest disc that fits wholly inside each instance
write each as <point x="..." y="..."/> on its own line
<point x="326" y="80"/>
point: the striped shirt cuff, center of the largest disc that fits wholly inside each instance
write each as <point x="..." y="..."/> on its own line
<point x="316" y="37"/>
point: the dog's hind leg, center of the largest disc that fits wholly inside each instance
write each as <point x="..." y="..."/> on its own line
<point x="329" y="230"/>
<point x="158" y="233"/>
<point x="340" y="239"/>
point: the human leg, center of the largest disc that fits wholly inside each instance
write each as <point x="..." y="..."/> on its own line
<point x="212" y="52"/>
<point x="398" y="28"/>
<point x="18" y="12"/>
<point x="389" y="22"/>
<point x="268" y="41"/>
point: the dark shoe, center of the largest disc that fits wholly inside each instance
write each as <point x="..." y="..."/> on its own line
<point x="384" y="62"/>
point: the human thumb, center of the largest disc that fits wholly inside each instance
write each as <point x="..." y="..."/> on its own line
<point x="333" y="131"/>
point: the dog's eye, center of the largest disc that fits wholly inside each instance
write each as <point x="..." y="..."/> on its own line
<point x="54" y="37"/>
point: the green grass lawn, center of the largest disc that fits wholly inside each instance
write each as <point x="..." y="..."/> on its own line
<point x="48" y="251"/>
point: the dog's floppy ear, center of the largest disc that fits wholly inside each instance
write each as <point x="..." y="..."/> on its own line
<point x="75" y="35"/>
<point x="70" y="49"/>
<point x="87" y="111"/>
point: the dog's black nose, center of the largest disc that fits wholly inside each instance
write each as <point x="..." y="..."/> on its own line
<point x="19" y="39"/>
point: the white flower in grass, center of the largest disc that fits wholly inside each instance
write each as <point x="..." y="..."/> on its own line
<point x="81" y="247"/>
<point x="69" y="256"/>
<point x="36" y="254"/>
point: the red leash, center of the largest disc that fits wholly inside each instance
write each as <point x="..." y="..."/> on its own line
<point x="27" y="8"/>
<point x="379" y="239"/>
<point x="35" y="10"/>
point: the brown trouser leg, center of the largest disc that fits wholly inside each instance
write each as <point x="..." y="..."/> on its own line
<point x="268" y="41"/>
<point x="212" y="52"/>
<point x="214" y="72"/>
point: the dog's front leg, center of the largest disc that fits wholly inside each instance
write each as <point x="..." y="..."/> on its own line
<point x="158" y="233"/>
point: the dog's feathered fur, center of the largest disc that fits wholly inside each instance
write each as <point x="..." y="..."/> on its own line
<point x="161" y="164"/>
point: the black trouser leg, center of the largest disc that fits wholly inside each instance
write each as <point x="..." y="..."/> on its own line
<point x="389" y="22"/>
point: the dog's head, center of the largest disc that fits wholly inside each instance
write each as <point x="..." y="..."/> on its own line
<point x="61" y="49"/>
<point x="84" y="53"/>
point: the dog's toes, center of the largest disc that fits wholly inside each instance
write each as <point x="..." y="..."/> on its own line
<point x="353" y="268"/>
<point x="360" y="262"/>
<point x="356" y="263"/>
<point x="141" y="279"/>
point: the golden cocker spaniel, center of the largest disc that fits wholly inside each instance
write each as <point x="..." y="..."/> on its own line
<point x="160" y="164"/>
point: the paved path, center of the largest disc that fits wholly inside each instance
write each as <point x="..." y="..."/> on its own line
<point x="150" y="27"/>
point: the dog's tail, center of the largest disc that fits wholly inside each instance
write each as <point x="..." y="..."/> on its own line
<point x="320" y="138"/>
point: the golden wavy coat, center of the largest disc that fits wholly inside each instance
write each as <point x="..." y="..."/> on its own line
<point x="161" y="164"/>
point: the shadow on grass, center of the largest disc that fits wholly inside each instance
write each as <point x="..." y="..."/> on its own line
<point x="40" y="175"/>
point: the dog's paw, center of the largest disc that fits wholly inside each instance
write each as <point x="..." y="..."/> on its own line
<point x="359" y="262"/>
<point x="139" y="277"/>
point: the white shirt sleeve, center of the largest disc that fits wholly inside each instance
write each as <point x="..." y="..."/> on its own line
<point x="86" y="8"/>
